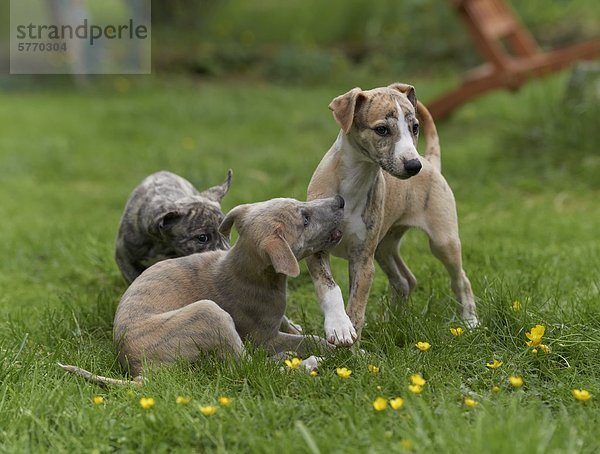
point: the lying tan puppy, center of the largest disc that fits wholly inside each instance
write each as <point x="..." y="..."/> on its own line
<point x="388" y="188"/>
<point x="212" y="302"/>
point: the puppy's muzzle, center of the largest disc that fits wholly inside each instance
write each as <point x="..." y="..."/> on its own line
<point x="335" y="237"/>
<point x="413" y="167"/>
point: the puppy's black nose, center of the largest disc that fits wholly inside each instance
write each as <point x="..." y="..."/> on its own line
<point x="340" y="201"/>
<point x="412" y="167"/>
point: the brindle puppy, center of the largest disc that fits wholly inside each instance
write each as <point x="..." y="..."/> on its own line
<point x="166" y="217"/>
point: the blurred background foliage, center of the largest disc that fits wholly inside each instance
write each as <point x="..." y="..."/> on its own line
<point x="311" y="41"/>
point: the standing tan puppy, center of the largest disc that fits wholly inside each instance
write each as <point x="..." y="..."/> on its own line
<point x="211" y="302"/>
<point x="388" y="188"/>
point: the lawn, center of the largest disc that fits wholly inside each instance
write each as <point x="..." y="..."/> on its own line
<point x="68" y="161"/>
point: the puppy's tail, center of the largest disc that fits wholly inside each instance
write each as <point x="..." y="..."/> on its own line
<point x="99" y="379"/>
<point x="432" y="141"/>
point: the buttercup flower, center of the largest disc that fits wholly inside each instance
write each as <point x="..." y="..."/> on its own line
<point x="343" y="372"/>
<point x="495" y="365"/>
<point x="458" y="331"/>
<point x="535" y="335"/>
<point x="380" y="404"/>
<point x="406" y="444"/>
<point x="98" y="400"/>
<point x="471" y="403"/>
<point x="397" y="403"/>
<point x="313" y="373"/>
<point x="293" y="363"/>
<point x="581" y="394"/>
<point x="423" y="346"/>
<point x="417" y="380"/>
<point x="208" y="410"/>
<point x="516" y="306"/>
<point x="183" y="400"/>
<point x="373" y="369"/>
<point x="515" y="381"/>
<point x="544" y="348"/>
<point x="225" y="401"/>
<point x="415" y="389"/>
<point x="147" y="402"/>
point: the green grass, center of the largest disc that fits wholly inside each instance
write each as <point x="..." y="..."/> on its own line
<point x="68" y="161"/>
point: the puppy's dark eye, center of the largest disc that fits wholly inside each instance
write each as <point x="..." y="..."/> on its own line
<point x="204" y="238"/>
<point x="306" y="220"/>
<point x="382" y="131"/>
<point x="416" y="129"/>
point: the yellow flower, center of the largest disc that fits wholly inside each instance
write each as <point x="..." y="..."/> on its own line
<point x="423" y="346"/>
<point x="581" y="394"/>
<point x="458" y="331"/>
<point x="415" y="389"/>
<point x="515" y="381"/>
<point x="406" y="444"/>
<point x="225" y="401"/>
<point x="535" y="335"/>
<point x="208" y="410"/>
<point x="516" y="306"/>
<point x="417" y="380"/>
<point x="495" y="365"/>
<point x="147" y="402"/>
<point x="188" y="143"/>
<point x="534" y="351"/>
<point x="313" y="373"/>
<point x="380" y="404"/>
<point x="544" y="348"/>
<point x="98" y="400"/>
<point x="343" y="372"/>
<point x="183" y="400"/>
<point x="373" y="369"/>
<point x="496" y="389"/>
<point x="397" y="403"/>
<point x="471" y="403"/>
<point x="293" y="363"/>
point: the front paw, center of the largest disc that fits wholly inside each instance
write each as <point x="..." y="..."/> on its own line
<point x="340" y="331"/>
<point x="311" y="363"/>
<point x="294" y="328"/>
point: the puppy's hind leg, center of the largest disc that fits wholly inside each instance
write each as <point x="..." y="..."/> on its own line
<point x="401" y="279"/>
<point x="448" y="250"/>
<point x="184" y="333"/>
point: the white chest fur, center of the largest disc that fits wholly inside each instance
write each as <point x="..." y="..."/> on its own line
<point x="358" y="174"/>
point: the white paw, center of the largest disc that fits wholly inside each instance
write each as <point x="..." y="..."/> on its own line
<point x="312" y="363"/>
<point x="294" y="328"/>
<point x="340" y="331"/>
<point x="471" y="321"/>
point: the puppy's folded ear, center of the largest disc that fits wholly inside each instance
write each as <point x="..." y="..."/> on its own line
<point x="408" y="90"/>
<point x="216" y="193"/>
<point x="282" y="257"/>
<point x="167" y="220"/>
<point x="343" y="108"/>
<point x="235" y="216"/>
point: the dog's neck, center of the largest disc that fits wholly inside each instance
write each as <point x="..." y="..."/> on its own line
<point x="251" y="266"/>
<point x="358" y="171"/>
